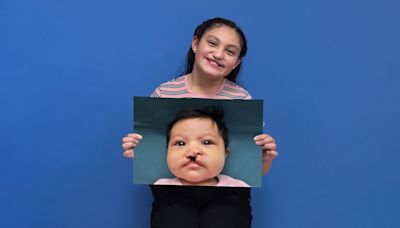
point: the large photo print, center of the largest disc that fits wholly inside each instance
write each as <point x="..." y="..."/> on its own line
<point x="198" y="142"/>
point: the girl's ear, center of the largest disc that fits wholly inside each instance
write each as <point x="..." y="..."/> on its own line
<point x="195" y="43"/>
<point x="237" y="63"/>
<point x="226" y="152"/>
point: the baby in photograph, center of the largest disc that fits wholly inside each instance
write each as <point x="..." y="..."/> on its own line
<point x="197" y="145"/>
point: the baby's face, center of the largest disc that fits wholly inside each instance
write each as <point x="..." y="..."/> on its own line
<point x="196" y="151"/>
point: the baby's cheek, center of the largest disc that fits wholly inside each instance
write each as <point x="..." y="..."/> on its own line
<point x="217" y="165"/>
<point x="171" y="162"/>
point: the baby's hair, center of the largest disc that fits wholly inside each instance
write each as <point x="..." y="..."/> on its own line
<point x="213" y="23"/>
<point x="215" y="114"/>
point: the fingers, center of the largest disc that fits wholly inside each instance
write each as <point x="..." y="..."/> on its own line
<point x="262" y="137"/>
<point x="269" y="154"/>
<point x="266" y="141"/>
<point x="268" y="146"/>
<point x="134" y="136"/>
<point x="128" y="153"/>
<point x="129" y="142"/>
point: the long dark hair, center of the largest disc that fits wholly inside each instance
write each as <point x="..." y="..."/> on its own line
<point x="204" y="27"/>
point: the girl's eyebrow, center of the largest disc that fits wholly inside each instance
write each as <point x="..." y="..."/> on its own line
<point x="229" y="45"/>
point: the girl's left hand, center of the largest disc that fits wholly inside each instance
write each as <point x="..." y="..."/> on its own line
<point x="268" y="145"/>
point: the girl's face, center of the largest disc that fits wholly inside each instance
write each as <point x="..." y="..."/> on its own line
<point x="196" y="151"/>
<point x="217" y="52"/>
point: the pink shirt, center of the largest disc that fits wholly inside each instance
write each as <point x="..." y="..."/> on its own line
<point x="178" y="88"/>
<point x="223" y="181"/>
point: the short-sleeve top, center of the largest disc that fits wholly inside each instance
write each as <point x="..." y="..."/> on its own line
<point x="178" y="88"/>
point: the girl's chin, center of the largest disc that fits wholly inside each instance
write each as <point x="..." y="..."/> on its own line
<point x="214" y="74"/>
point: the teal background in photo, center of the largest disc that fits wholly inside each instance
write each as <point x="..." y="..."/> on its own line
<point x="244" y="119"/>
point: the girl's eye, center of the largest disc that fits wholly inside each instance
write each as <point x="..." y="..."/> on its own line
<point x="230" y="52"/>
<point x="208" y="142"/>
<point x="212" y="43"/>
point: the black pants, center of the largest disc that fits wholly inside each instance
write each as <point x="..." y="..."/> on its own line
<point x="200" y="207"/>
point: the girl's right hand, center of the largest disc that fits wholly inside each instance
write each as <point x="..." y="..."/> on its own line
<point x="129" y="142"/>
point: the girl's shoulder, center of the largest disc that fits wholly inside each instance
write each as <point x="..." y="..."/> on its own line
<point x="234" y="85"/>
<point x="174" y="88"/>
<point x="180" y="79"/>
<point x="235" y="91"/>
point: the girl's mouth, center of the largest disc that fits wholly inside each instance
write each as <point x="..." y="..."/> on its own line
<point x="214" y="62"/>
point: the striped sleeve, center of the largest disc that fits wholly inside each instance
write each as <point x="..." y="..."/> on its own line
<point x="232" y="90"/>
<point x="172" y="89"/>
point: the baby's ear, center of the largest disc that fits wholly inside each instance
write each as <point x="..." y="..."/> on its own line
<point x="226" y="152"/>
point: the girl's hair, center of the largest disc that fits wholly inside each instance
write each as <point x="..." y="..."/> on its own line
<point x="203" y="28"/>
<point x="215" y="114"/>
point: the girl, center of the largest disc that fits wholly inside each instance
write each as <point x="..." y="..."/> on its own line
<point x="212" y="66"/>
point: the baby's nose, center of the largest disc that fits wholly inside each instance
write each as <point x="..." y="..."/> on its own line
<point x="192" y="158"/>
<point x="193" y="151"/>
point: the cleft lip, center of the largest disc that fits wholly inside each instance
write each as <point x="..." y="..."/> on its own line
<point x="192" y="160"/>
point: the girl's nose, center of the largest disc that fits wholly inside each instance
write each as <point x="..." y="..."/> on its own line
<point x="218" y="53"/>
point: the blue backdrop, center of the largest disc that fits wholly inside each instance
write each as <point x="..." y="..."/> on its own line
<point x="327" y="71"/>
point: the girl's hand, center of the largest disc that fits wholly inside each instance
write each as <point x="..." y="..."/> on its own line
<point x="129" y="142"/>
<point x="269" y="152"/>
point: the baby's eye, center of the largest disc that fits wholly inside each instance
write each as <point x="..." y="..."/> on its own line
<point x="208" y="142"/>
<point x="179" y="143"/>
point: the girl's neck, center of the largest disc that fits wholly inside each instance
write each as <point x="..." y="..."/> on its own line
<point x="204" y="85"/>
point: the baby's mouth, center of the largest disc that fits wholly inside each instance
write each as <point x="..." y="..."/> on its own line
<point x="192" y="161"/>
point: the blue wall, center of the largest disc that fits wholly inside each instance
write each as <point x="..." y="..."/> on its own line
<point x="327" y="70"/>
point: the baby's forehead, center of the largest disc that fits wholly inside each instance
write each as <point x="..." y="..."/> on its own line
<point x="196" y="120"/>
<point x="197" y="123"/>
<point x="196" y="127"/>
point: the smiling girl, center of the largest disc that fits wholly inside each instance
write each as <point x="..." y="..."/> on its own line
<point x="212" y="66"/>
